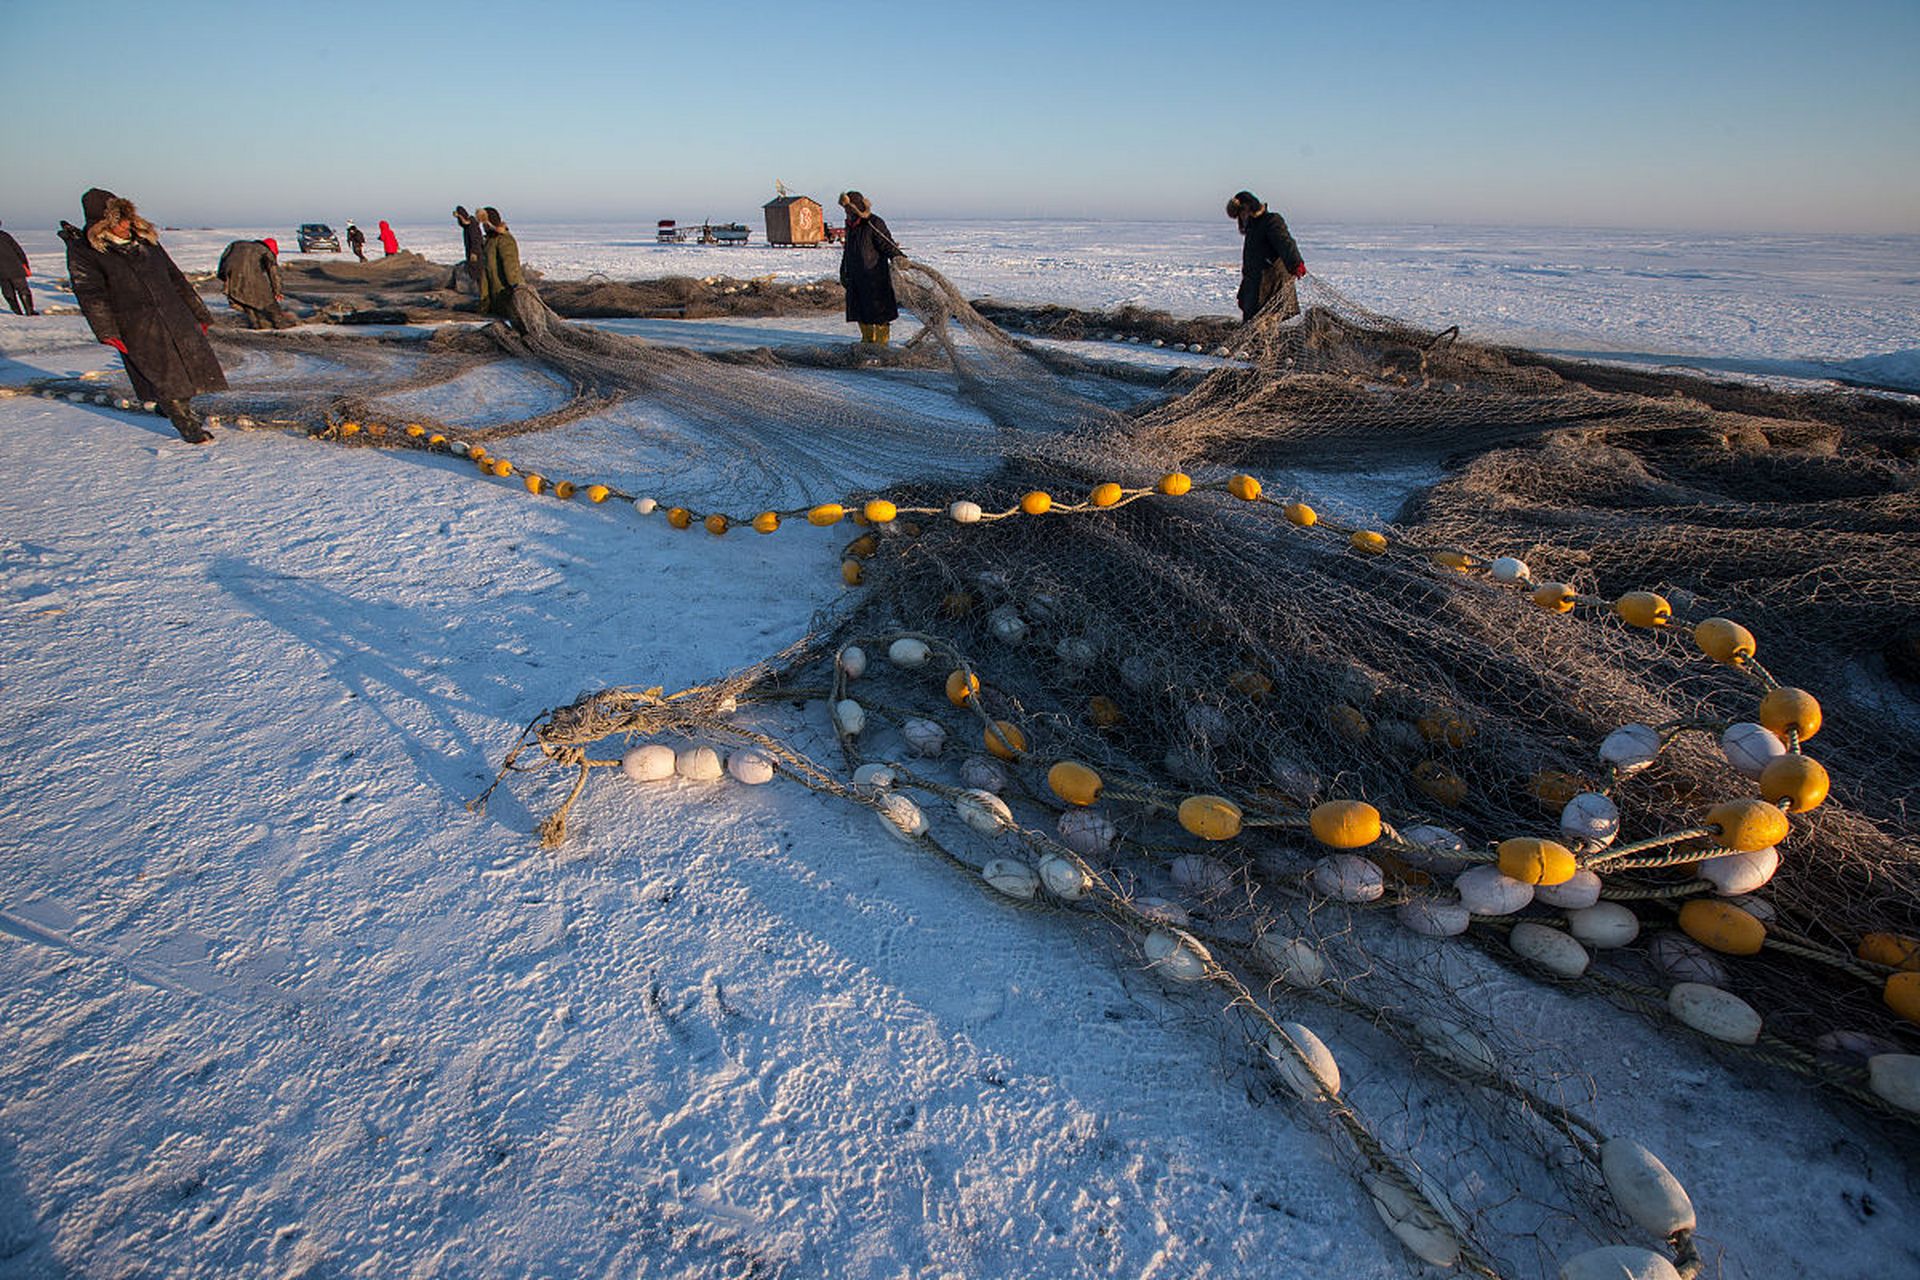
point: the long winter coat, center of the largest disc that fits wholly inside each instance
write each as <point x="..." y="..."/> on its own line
<point x="475" y="237"/>
<point x="500" y="273"/>
<point x="251" y="274"/>
<point x="133" y="292"/>
<point x="1268" y="242"/>
<point x="13" y="260"/>
<point x="865" y="273"/>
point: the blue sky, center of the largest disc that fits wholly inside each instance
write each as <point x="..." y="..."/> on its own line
<point x="1708" y="115"/>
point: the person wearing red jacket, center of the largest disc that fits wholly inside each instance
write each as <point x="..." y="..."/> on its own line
<point x="14" y="270"/>
<point x="388" y="241"/>
<point x="1269" y="260"/>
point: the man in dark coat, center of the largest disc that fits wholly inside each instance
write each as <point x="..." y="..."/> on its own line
<point x="1269" y="260"/>
<point x="14" y="271"/>
<point x="250" y="270"/>
<point x="865" y="270"/>
<point x="138" y="303"/>
<point x="357" y="241"/>
<point x="475" y="239"/>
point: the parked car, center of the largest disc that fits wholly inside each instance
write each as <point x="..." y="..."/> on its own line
<point x="314" y="236"/>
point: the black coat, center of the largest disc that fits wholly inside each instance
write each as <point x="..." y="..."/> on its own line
<point x="865" y="273"/>
<point x="13" y="262"/>
<point x="133" y="292"/>
<point x="476" y="241"/>
<point x="251" y="274"/>
<point x="1268" y="242"/>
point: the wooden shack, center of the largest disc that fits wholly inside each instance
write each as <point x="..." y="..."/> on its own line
<point x="794" y="220"/>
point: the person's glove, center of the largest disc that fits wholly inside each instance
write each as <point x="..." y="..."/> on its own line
<point x="203" y="330"/>
<point x="1300" y="270"/>
<point x="115" y="343"/>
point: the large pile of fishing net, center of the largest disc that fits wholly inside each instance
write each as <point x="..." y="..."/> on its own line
<point x="1301" y="755"/>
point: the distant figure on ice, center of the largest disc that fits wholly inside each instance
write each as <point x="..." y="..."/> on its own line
<point x="14" y="271"/>
<point x="865" y="272"/>
<point x="357" y="241"/>
<point x="250" y="271"/>
<point x="388" y="241"/>
<point x="475" y="237"/>
<point x="138" y="303"/>
<point x="500" y="272"/>
<point x="1269" y="260"/>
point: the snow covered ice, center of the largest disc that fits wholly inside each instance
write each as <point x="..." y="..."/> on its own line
<point x="274" y="1003"/>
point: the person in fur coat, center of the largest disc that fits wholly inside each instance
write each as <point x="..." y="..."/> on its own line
<point x="250" y="271"/>
<point x="14" y="270"/>
<point x="137" y="302"/>
<point x="1269" y="260"/>
<point x="865" y="270"/>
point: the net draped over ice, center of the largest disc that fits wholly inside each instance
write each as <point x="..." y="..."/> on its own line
<point x="1214" y="646"/>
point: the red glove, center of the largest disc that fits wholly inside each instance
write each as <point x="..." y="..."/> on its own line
<point x="203" y="329"/>
<point x="1300" y="270"/>
<point x="116" y="344"/>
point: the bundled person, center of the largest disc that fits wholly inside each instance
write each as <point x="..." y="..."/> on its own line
<point x="14" y="270"/>
<point x="388" y="241"/>
<point x="865" y="271"/>
<point x="356" y="241"/>
<point x="250" y="272"/>
<point x="137" y="302"/>
<point x="500" y="273"/>
<point x="1269" y="260"/>
<point x="474" y="237"/>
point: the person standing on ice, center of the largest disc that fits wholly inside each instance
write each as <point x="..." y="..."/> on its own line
<point x="475" y="238"/>
<point x="137" y="302"/>
<point x="865" y="270"/>
<point x="357" y="241"/>
<point x="14" y="270"/>
<point x="250" y="271"/>
<point x="388" y="241"/>
<point x="500" y="272"/>
<point x="1269" y="260"/>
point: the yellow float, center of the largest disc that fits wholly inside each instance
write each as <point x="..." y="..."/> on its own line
<point x="1797" y="780"/>
<point x="1211" y="817"/>
<point x="1533" y="861"/>
<point x="1075" y="783"/>
<point x="1345" y="824"/>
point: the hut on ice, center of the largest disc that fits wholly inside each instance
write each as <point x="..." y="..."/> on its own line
<point x="794" y="220"/>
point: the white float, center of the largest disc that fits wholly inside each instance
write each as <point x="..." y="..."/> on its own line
<point x="698" y="764"/>
<point x="1434" y="844"/>
<point x="1631" y="747"/>
<point x="965" y="512"/>
<point x="983" y="811"/>
<point x="1294" y="960"/>
<point x="1015" y="879"/>
<point x="1895" y="1077"/>
<point x="1456" y="1044"/>
<point x="1317" y="1075"/>
<point x="1590" y="822"/>
<point x="1859" y="1047"/>
<point x="1348" y="877"/>
<point x="1684" y="960"/>
<point x="1576" y="894"/>
<point x="1604" y="925"/>
<point x="900" y="815"/>
<point x="750" y="767"/>
<point x="1644" y="1189"/>
<point x="1201" y="875"/>
<point x="1510" y="569"/>
<point x="1733" y="874"/>
<point x="1619" y="1262"/>
<point x="849" y="717"/>
<point x="1550" y="948"/>
<point x="908" y="653"/>
<point x="871" y="779"/>
<point x="1006" y="625"/>
<point x="1076" y="652"/>
<point x="924" y="737"/>
<point x="1714" y="1012"/>
<point x="1428" y="1238"/>
<point x="1750" y="747"/>
<point x="1087" y="832"/>
<point x="1486" y="892"/>
<point x="650" y="763"/>
<point x="853" y="661"/>
<point x="1063" y="878"/>
<point x="1433" y="918"/>
<point x="646" y="506"/>
<point x="1177" y="955"/>
<point x="983" y="773"/>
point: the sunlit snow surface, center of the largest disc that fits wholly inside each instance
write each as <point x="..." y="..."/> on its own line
<point x="274" y="1003"/>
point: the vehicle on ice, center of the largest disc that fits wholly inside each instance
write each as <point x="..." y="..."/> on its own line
<point x="314" y="236"/>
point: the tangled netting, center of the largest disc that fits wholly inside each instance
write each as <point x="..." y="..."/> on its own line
<point x="1303" y="756"/>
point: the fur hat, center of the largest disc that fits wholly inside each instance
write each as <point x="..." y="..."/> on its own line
<point x="856" y="204"/>
<point x="103" y="208"/>
<point x="1244" y="205"/>
<point x="490" y="218"/>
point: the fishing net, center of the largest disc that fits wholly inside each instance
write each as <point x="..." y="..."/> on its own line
<point x="1289" y="745"/>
